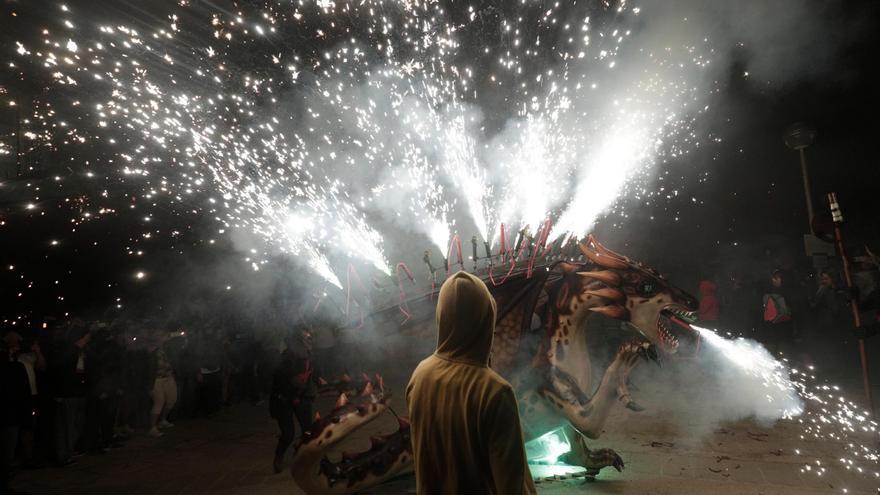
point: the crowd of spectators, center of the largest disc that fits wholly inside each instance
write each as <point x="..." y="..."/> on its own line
<point x="73" y="388"/>
<point x="80" y="387"/>
<point x="805" y="315"/>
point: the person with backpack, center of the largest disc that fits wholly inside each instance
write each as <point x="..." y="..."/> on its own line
<point x="778" y="326"/>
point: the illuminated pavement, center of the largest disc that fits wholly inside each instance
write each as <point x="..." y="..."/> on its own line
<point x="737" y="458"/>
<point x="232" y="453"/>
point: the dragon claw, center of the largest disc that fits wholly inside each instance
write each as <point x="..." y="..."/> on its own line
<point x="634" y="406"/>
<point x="648" y="352"/>
<point x="601" y="458"/>
<point x="653" y="355"/>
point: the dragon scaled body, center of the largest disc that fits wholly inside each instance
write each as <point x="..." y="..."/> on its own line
<point x="553" y="377"/>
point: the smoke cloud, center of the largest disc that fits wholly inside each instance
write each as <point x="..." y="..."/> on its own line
<point x="777" y="43"/>
<point x="729" y="379"/>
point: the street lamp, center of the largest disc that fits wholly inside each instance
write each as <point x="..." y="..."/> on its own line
<point x="797" y="137"/>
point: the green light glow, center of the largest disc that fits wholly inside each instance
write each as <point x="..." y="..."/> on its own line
<point x="547" y="448"/>
<point x="545" y="471"/>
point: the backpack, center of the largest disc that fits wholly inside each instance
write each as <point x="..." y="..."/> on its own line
<point x="775" y="309"/>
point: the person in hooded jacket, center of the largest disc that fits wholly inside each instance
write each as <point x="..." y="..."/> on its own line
<point x="466" y="433"/>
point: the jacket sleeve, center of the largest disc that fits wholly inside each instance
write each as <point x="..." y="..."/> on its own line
<point x="507" y="456"/>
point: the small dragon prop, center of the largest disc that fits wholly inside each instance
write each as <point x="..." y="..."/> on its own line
<point x="553" y="378"/>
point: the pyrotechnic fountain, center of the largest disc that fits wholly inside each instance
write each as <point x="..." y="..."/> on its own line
<point x="793" y="394"/>
<point x="375" y="121"/>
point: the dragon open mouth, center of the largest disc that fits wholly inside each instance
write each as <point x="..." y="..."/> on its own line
<point x="673" y="323"/>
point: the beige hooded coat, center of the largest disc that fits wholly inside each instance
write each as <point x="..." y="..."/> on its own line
<point x="466" y="433"/>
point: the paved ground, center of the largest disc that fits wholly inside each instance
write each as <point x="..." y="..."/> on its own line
<point x="231" y="454"/>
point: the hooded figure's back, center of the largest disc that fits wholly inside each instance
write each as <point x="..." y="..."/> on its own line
<point x="465" y="424"/>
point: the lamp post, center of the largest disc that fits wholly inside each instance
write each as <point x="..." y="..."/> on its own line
<point x="797" y="137"/>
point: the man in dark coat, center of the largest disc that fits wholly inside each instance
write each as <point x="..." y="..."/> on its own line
<point x="69" y="365"/>
<point x="294" y="387"/>
<point x="14" y="399"/>
<point x="104" y="390"/>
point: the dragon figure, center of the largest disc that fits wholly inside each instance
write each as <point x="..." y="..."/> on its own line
<point x="550" y="367"/>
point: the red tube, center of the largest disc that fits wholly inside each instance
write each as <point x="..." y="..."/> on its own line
<point x="456" y="241"/>
<point x="540" y="241"/>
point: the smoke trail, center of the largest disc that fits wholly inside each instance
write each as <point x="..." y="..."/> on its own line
<point x="758" y="382"/>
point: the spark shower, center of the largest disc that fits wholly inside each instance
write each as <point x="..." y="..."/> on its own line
<point x="329" y="128"/>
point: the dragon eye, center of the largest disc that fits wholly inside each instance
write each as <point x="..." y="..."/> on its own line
<point x="646" y="289"/>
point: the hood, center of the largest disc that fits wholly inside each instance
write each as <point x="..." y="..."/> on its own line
<point x="465" y="320"/>
<point x="708" y="288"/>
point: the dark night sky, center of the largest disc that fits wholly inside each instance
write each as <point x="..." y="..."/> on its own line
<point x="753" y="197"/>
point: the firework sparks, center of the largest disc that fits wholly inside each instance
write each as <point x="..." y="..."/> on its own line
<point x="753" y="360"/>
<point x="820" y="409"/>
<point x="325" y="147"/>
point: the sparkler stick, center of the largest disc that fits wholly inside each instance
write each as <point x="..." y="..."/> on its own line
<point x="519" y="241"/>
<point x="537" y="250"/>
<point x="474" y="245"/>
<point x="837" y="217"/>
<point x="502" y="250"/>
<point x="427" y="259"/>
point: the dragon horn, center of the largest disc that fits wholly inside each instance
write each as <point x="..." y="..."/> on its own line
<point x="599" y="248"/>
<point x="602" y="259"/>
<point x="342" y="400"/>
<point x="368" y="389"/>
<point x="616" y="312"/>
<point x="607" y="293"/>
<point x="381" y="382"/>
<point x="606" y="276"/>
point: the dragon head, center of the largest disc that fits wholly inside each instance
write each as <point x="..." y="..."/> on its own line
<point x="639" y="295"/>
<point x="389" y="455"/>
